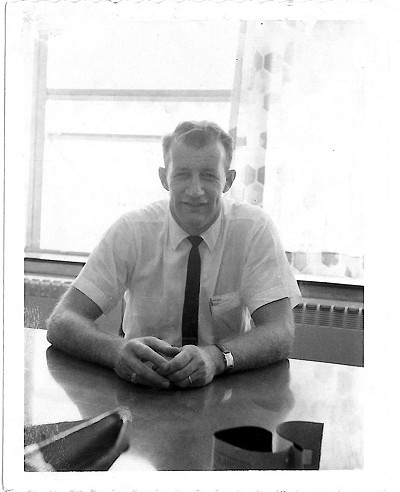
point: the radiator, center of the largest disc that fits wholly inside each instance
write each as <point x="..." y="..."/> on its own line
<point x="329" y="331"/>
<point x="40" y="297"/>
<point x="330" y="314"/>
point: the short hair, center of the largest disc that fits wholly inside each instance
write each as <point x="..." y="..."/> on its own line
<point x="198" y="134"/>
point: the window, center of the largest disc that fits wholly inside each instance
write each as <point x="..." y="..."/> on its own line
<point x="105" y="104"/>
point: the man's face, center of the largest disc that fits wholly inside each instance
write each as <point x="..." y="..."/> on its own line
<point x="196" y="180"/>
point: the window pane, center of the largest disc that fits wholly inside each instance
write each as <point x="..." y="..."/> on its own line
<point x="88" y="184"/>
<point x="89" y="181"/>
<point x="142" y="55"/>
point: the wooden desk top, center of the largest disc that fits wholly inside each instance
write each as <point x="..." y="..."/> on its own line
<point x="173" y="429"/>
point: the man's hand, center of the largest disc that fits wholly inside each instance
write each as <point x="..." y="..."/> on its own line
<point x="141" y="361"/>
<point x="197" y="362"/>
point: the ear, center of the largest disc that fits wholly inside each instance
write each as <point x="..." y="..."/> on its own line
<point x="162" y="174"/>
<point x="230" y="178"/>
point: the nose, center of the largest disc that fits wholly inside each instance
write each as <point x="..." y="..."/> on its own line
<point x="195" y="188"/>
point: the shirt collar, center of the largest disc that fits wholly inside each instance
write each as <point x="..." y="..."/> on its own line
<point x="177" y="234"/>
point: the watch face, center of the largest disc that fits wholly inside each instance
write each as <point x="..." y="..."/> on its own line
<point x="228" y="359"/>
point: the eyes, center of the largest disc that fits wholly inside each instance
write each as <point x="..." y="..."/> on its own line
<point x="211" y="175"/>
<point x="207" y="175"/>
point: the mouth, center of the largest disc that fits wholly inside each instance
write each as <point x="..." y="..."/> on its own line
<point x="194" y="205"/>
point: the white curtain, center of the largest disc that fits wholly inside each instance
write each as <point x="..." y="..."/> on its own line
<point x="297" y="119"/>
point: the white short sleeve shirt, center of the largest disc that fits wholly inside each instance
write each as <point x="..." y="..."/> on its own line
<point x="143" y="257"/>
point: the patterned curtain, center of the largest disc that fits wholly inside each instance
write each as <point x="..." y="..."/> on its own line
<point x="296" y="116"/>
<point x="256" y="84"/>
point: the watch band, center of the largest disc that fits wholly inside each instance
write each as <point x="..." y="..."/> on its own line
<point x="228" y="357"/>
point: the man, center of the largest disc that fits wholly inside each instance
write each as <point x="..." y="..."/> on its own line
<point x="144" y="257"/>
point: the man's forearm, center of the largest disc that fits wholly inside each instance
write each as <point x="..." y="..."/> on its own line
<point x="261" y="346"/>
<point x="80" y="337"/>
<point x="268" y="342"/>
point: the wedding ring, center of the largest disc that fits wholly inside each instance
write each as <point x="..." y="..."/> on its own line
<point x="190" y="380"/>
<point x="134" y="378"/>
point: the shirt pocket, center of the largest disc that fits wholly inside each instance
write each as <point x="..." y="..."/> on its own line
<point x="224" y="302"/>
<point x="228" y="312"/>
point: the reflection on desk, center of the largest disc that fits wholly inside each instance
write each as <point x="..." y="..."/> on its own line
<point x="173" y="429"/>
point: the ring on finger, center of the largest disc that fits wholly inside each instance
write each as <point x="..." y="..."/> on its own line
<point x="190" y="380"/>
<point x="133" y="378"/>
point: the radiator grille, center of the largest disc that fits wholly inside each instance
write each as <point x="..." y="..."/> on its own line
<point x="44" y="287"/>
<point x="329" y="315"/>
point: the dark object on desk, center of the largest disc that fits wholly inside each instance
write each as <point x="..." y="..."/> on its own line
<point x="295" y="446"/>
<point x="84" y="445"/>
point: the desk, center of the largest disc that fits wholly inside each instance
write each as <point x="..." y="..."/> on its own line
<point x="173" y="429"/>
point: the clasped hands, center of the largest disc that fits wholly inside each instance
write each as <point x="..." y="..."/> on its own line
<point x="153" y="362"/>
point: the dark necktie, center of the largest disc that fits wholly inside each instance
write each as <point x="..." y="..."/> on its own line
<point x="190" y="315"/>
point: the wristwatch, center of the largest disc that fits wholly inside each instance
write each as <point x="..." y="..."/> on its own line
<point x="228" y="357"/>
